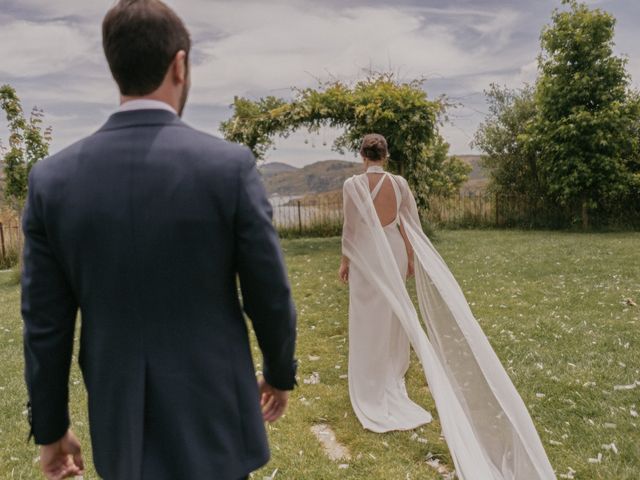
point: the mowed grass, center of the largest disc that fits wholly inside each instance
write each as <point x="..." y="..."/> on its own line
<point x="554" y="306"/>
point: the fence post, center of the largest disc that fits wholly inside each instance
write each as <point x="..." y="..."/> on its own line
<point x="4" y="251"/>
<point x="497" y="210"/>
<point x="299" y="218"/>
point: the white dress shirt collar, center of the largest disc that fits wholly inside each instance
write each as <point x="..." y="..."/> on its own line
<point x="145" y="104"/>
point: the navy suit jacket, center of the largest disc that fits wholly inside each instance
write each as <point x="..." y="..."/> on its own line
<point x="145" y="227"/>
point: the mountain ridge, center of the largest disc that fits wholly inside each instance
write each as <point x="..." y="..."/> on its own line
<point x="328" y="175"/>
<point x="318" y="177"/>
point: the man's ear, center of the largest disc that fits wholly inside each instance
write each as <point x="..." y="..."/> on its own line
<point x="179" y="68"/>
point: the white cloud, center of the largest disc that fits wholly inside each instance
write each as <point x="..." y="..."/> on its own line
<point x="32" y="49"/>
<point x="43" y="9"/>
<point x="276" y="47"/>
<point x="51" y="52"/>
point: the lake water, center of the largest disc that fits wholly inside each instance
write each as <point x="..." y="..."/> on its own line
<point x="287" y="215"/>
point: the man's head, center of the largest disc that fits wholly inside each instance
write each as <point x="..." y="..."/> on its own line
<point x="147" y="48"/>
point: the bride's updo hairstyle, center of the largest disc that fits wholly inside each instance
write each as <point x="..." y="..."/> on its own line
<point x="374" y="147"/>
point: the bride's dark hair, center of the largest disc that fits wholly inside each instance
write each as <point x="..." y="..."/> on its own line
<point x="374" y="147"/>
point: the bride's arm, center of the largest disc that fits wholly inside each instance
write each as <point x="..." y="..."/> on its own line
<point x="409" y="248"/>
<point x="406" y="202"/>
<point x="347" y="232"/>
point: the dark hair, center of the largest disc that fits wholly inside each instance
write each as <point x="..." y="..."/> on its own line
<point x="140" y="39"/>
<point x="374" y="147"/>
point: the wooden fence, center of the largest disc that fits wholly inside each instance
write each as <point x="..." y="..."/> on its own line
<point x="300" y="217"/>
<point x="311" y="216"/>
<point x="493" y="210"/>
<point x="303" y="217"/>
<point x="11" y="242"/>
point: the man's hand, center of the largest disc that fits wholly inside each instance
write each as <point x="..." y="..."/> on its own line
<point x="62" y="459"/>
<point x="273" y="401"/>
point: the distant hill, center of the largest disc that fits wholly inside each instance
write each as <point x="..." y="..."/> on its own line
<point x="273" y="168"/>
<point x="478" y="178"/>
<point x="329" y="175"/>
<point x="318" y="177"/>
<point x="475" y="162"/>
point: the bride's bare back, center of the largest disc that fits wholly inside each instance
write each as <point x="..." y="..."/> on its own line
<point x="385" y="202"/>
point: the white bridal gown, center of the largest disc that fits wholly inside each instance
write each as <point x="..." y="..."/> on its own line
<point x="487" y="427"/>
<point x="379" y="347"/>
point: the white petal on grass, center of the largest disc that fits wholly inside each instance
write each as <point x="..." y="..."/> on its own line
<point x="313" y="379"/>
<point x="598" y="459"/>
<point x="437" y="466"/>
<point x="327" y="438"/>
<point x="272" y="476"/>
<point x="631" y="386"/>
<point x="569" y="475"/>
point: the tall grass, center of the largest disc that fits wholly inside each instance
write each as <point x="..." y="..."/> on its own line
<point x="11" y="258"/>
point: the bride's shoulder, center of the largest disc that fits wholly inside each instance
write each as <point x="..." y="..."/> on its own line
<point x="400" y="179"/>
<point x="350" y="180"/>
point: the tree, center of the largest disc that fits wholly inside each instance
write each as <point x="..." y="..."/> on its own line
<point x="586" y="112"/>
<point x="506" y="139"/>
<point x="398" y="110"/>
<point x="28" y="143"/>
<point x="446" y="173"/>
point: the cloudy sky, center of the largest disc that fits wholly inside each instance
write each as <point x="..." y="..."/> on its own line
<point x="50" y="51"/>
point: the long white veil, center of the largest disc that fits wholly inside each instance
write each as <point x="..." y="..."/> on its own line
<point x="484" y="420"/>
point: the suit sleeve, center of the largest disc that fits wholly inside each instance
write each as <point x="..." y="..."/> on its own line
<point x="49" y="311"/>
<point x="263" y="280"/>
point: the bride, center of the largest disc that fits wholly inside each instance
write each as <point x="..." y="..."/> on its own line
<point x="484" y="421"/>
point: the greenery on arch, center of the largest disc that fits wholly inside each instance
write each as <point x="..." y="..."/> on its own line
<point x="398" y="110"/>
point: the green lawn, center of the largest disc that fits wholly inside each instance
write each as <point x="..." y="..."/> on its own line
<point x="553" y="305"/>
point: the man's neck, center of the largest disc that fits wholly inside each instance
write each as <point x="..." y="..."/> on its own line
<point x="145" y="103"/>
<point x="153" y="96"/>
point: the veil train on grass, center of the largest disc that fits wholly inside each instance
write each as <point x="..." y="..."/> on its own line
<point x="485" y="423"/>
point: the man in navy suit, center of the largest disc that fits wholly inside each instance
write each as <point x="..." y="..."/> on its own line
<point x="146" y="227"/>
